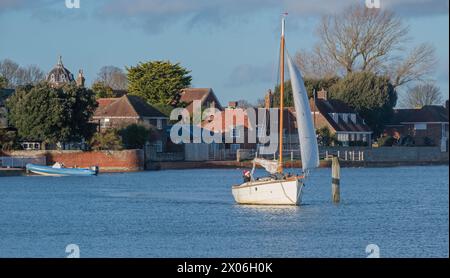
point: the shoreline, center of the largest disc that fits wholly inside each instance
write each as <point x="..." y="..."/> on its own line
<point x="185" y="165"/>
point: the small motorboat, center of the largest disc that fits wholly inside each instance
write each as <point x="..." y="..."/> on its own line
<point x="58" y="169"/>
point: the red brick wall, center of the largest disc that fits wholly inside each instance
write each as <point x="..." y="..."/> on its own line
<point x="108" y="161"/>
<point x="433" y="131"/>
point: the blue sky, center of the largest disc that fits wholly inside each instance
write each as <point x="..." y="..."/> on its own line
<point x="229" y="45"/>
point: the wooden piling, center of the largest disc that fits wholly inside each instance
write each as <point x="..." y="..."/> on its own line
<point x="335" y="180"/>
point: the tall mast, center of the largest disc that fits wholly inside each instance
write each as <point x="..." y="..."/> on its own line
<point x="280" y="162"/>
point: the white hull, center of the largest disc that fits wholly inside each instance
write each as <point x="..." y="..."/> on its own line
<point x="273" y="192"/>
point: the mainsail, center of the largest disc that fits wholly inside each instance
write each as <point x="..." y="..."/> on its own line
<point x="306" y="133"/>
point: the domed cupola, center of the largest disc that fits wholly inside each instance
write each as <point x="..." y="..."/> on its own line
<point x="59" y="75"/>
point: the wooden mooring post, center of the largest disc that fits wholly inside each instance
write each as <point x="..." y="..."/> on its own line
<point x="335" y="180"/>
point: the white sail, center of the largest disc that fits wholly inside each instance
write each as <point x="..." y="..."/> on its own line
<point x="306" y="132"/>
<point x="271" y="166"/>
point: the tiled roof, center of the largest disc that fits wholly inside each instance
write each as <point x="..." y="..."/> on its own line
<point x="428" y="114"/>
<point x="126" y="106"/>
<point x="102" y="102"/>
<point x="188" y="95"/>
<point x="325" y="107"/>
<point x="290" y="122"/>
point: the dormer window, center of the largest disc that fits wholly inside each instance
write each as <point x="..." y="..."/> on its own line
<point x="345" y="117"/>
<point x="335" y="117"/>
<point x="159" y="124"/>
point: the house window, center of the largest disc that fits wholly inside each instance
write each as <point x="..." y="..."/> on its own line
<point x="420" y="126"/>
<point x="335" y="117"/>
<point x="234" y="132"/>
<point x="159" y="146"/>
<point x="353" y="118"/>
<point x="344" y="117"/>
<point x="63" y="78"/>
<point x="343" y="137"/>
<point x="235" y="147"/>
<point x="261" y="130"/>
<point x="159" y="124"/>
<point x="104" y="123"/>
<point x="52" y="78"/>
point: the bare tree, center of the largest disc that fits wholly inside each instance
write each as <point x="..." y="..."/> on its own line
<point x="30" y="75"/>
<point x="260" y="103"/>
<point x="361" y="39"/>
<point x="113" y="77"/>
<point x="17" y="75"/>
<point x="422" y="95"/>
<point x="317" y="65"/>
<point x="416" y="66"/>
<point x="9" y="69"/>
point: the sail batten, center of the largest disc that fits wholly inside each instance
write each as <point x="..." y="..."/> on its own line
<point x="306" y="132"/>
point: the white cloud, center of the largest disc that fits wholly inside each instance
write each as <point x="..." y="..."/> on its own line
<point x="155" y="14"/>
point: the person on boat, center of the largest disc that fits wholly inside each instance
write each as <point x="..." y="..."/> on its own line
<point x="58" y="165"/>
<point x="247" y="176"/>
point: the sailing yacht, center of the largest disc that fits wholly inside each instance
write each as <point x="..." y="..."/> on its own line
<point x="279" y="188"/>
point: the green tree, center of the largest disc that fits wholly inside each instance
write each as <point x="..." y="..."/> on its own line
<point x="102" y="91"/>
<point x="52" y="115"/>
<point x="157" y="82"/>
<point x="134" y="136"/>
<point x="8" y="140"/>
<point x="325" y="137"/>
<point x="106" y="140"/>
<point x="310" y="85"/>
<point x="372" y="96"/>
<point x="3" y="82"/>
<point x="386" y="141"/>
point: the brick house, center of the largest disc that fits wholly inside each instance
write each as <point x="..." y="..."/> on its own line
<point x="421" y="127"/>
<point x="205" y="95"/>
<point x="340" y="119"/>
<point x="126" y="110"/>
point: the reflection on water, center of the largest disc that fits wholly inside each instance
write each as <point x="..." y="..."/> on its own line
<point x="192" y="214"/>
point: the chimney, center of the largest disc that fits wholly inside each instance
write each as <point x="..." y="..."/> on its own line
<point x="233" y="104"/>
<point x="268" y="100"/>
<point x="322" y="94"/>
<point x="80" y="79"/>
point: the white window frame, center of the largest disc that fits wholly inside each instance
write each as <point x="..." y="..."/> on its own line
<point x="234" y="132"/>
<point x="420" y="126"/>
<point x="353" y="118"/>
<point x="159" y="146"/>
<point x="344" y="117"/>
<point x="159" y="124"/>
<point x="335" y="117"/>
<point x="104" y="123"/>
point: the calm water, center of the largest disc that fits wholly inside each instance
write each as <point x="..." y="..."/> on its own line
<point x="192" y="214"/>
